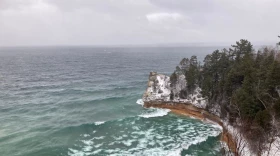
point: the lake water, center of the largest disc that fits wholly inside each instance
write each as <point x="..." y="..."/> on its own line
<point x="78" y="101"/>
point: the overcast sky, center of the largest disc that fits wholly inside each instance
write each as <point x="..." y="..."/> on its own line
<point x="130" y="22"/>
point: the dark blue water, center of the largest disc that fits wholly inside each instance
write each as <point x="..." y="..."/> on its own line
<point x="82" y="101"/>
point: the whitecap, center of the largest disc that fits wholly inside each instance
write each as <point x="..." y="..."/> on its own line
<point x="99" y="138"/>
<point x="88" y="145"/>
<point x="140" y="102"/>
<point x="73" y="152"/>
<point x="86" y="135"/>
<point x="156" y="113"/>
<point x="111" y="143"/>
<point x="97" y="151"/>
<point x="98" y="145"/>
<point x="128" y="142"/>
<point x="200" y="139"/>
<point x="159" y="151"/>
<point x="87" y="142"/>
<point x="197" y="140"/>
<point x="118" y="138"/>
<point x="176" y="152"/>
<point x="87" y="148"/>
<point x="99" y="122"/>
<point x="217" y="126"/>
<point x="135" y="128"/>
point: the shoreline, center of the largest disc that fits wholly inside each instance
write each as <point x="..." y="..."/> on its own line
<point x="198" y="113"/>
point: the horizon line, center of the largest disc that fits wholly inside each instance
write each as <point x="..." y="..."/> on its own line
<point x="190" y="44"/>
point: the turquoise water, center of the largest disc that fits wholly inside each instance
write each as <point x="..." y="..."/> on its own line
<point x="82" y="101"/>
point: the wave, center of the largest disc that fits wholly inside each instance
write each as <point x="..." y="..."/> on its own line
<point x="170" y="137"/>
<point x="215" y="125"/>
<point x="99" y="122"/>
<point x="160" y="152"/>
<point x="155" y="113"/>
<point x="194" y="142"/>
<point x="140" y="102"/>
<point x="216" y="131"/>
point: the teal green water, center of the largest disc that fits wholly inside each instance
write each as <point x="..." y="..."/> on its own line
<point x="82" y="101"/>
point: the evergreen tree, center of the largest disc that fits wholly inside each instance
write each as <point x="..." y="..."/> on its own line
<point x="192" y="74"/>
<point x="243" y="83"/>
<point x="245" y="86"/>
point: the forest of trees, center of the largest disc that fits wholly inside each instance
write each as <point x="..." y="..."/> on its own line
<point x="245" y="84"/>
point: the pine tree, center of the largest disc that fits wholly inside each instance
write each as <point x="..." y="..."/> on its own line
<point x="243" y="83"/>
<point x="192" y="74"/>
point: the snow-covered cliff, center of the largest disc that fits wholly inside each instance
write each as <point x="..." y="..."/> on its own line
<point x="159" y="89"/>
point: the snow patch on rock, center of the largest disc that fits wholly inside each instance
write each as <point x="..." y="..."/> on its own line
<point x="195" y="99"/>
<point x="274" y="149"/>
<point x="159" y="90"/>
<point x="216" y="110"/>
<point x="180" y="84"/>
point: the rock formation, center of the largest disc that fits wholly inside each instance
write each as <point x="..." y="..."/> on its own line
<point x="173" y="89"/>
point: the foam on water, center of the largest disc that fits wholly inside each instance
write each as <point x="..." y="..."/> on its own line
<point x="156" y="112"/>
<point x="99" y="122"/>
<point x="86" y="135"/>
<point x="167" y="135"/>
<point x="140" y="102"/>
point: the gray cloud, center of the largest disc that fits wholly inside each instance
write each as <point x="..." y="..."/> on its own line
<point x="188" y="6"/>
<point x="113" y="22"/>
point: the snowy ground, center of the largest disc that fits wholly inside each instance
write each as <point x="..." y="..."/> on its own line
<point x="275" y="148"/>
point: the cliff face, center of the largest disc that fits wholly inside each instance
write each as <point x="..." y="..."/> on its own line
<point x="160" y="89"/>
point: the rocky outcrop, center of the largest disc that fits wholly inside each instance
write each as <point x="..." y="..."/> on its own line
<point x="160" y="89"/>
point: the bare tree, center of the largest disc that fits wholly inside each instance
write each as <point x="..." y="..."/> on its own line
<point x="274" y="134"/>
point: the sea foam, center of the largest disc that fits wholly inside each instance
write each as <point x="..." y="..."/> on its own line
<point x="99" y="122"/>
<point x="140" y="102"/>
<point x="171" y="138"/>
<point x="155" y="113"/>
